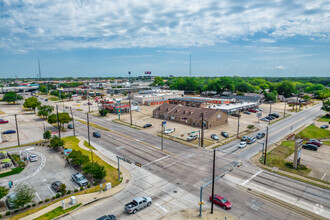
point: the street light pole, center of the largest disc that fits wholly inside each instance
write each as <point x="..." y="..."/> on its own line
<point x="162" y="146"/>
<point x="213" y="181"/>
<point x="17" y="131"/>
<point x="266" y="146"/>
<point x="89" y="106"/>
<point x="130" y="108"/>
<point x="92" y="163"/>
<point x="238" y="125"/>
<point x="202" y="138"/>
<point x="284" y="107"/>
<point x="89" y="139"/>
<point x="58" y="123"/>
<point x="118" y="170"/>
<point x="74" y="128"/>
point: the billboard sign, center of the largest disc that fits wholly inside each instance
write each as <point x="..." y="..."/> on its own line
<point x="147" y="72"/>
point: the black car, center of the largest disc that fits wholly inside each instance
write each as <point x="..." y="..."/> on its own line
<point x="70" y="126"/>
<point x="310" y="147"/>
<point x="324" y="126"/>
<point x="246" y="112"/>
<point x="260" y="135"/>
<point x="96" y="134"/>
<point x="9" y="132"/>
<point x="274" y="115"/>
<point x="147" y="125"/>
<point x="269" y="117"/>
<point x="56" y="185"/>
<point x="107" y="217"/>
<point x="225" y="134"/>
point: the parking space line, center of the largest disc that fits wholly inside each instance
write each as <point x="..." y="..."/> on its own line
<point x="323" y="176"/>
<point x="51" y="191"/>
<point x="38" y="196"/>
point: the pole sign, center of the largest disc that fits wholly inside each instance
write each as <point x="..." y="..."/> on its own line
<point x="164" y="124"/>
<point x="297" y="153"/>
<point x="67" y="152"/>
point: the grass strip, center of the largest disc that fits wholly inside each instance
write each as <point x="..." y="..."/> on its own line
<point x="53" y="99"/>
<point x="93" y="125"/>
<point x="12" y="172"/>
<point x="87" y="145"/>
<point x="57" y="212"/>
<point x="281" y="119"/>
<point x="324" y="119"/>
<point x="313" y="132"/>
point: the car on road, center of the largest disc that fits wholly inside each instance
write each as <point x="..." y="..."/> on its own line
<point x="214" y="137"/>
<point x="260" y="135"/>
<point x="147" y="125"/>
<point x="2" y="121"/>
<point x="138" y="204"/>
<point x="324" y="126"/>
<point x="244" y="138"/>
<point x="192" y="137"/>
<point x="168" y="131"/>
<point x="310" y="147"/>
<point x="96" y="134"/>
<point x="316" y="143"/>
<point x="66" y="107"/>
<point x="56" y="185"/>
<point x="70" y="126"/>
<point x="9" y="132"/>
<point x="220" y="201"/>
<point x="9" y="200"/>
<point x="251" y="140"/>
<point x="252" y="110"/>
<point x="242" y="144"/>
<point x="264" y="119"/>
<point x="79" y="179"/>
<point x="246" y="112"/>
<point x="224" y="134"/>
<point x="33" y="158"/>
<point x="107" y="217"/>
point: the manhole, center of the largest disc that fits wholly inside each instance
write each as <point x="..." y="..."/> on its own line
<point x="177" y="183"/>
<point x="175" y="191"/>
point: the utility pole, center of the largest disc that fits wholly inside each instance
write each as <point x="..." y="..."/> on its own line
<point x="17" y="131"/>
<point x="202" y="139"/>
<point x="238" y="125"/>
<point x="89" y="106"/>
<point x="58" y="122"/>
<point x="284" y="107"/>
<point x="92" y="163"/>
<point x="74" y="127"/>
<point x="213" y="181"/>
<point x="266" y="146"/>
<point x="270" y="111"/>
<point x="89" y="139"/>
<point x="162" y="144"/>
<point x="130" y="108"/>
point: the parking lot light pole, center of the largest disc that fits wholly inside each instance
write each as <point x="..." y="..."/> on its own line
<point x="17" y="131"/>
<point x="89" y="139"/>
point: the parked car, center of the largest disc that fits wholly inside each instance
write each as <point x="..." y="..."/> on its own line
<point x="274" y="115"/>
<point x="192" y="137"/>
<point x="235" y="115"/>
<point x="79" y="179"/>
<point x="264" y="119"/>
<point x="251" y="140"/>
<point x="107" y="217"/>
<point x="314" y="143"/>
<point x="269" y="117"/>
<point x="56" y="185"/>
<point x="46" y="100"/>
<point x="88" y="103"/>
<point x="33" y="158"/>
<point x="310" y="147"/>
<point x="2" y="121"/>
<point x="96" y="134"/>
<point x="70" y="126"/>
<point x="242" y="144"/>
<point x="225" y="134"/>
<point x="252" y="110"/>
<point x="214" y="137"/>
<point x="260" y="135"/>
<point x="220" y="201"/>
<point x="66" y="107"/>
<point x="315" y="140"/>
<point x="147" y="125"/>
<point x="244" y="138"/>
<point x="324" y="126"/>
<point x="138" y="204"/>
<point x="9" y="132"/>
<point x="259" y="109"/>
<point x="9" y="200"/>
<point x="246" y="112"/>
<point x="168" y="131"/>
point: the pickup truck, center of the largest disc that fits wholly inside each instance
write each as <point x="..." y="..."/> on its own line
<point x="137" y="204"/>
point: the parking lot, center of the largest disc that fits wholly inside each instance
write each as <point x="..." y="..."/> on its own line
<point x="50" y="167"/>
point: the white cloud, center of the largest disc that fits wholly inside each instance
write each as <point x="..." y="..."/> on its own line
<point x="279" y="67"/>
<point x="63" y="25"/>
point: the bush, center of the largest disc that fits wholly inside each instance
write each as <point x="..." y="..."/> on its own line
<point x="40" y="202"/>
<point x="68" y="192"/>
<point x="81" y="188"/>
<point x="28" y="206"/>
<point x="46" y="200"/>
<point x="95" y="183"/>
<point x="58" y="195"/>
<point x="33" y="205"/>
<point x="250" y="126"/>
<point x="8" y="213"/>
<point x="16" y="211"/>
<point x="300" y="167"/>
<point x="89" y="186"/>
<point x="54" y="197"/>
<point x="0" y="216"/>
<point x="76" y="190"/>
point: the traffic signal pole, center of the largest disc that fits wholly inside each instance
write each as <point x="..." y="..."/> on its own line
<point x="202" y="138"/>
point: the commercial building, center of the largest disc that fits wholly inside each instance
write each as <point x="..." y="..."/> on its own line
<point x="158" y="97"/>
<point x="190" y="115"/>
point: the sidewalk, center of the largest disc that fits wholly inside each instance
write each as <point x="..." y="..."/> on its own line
<point x="194" y="214"/>
<point x="85" y="199"/>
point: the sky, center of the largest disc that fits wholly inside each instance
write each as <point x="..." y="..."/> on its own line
<point x="98" y="38"/>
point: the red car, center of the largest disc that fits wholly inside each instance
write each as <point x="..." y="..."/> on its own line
<point x="252" y="110"/>
<point x="220" y="201"/>
<point x="2" y="121"/>
<point x="314" y="143"/>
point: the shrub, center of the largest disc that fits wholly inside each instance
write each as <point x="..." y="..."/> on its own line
<point x="33" y="205"/>
<point x="81" y="188"/>
<point x="54" y="197"/>
<point x="250" y="126"/>
<point x="46" y="200"/>
<point x="28" y="206"/>
<point x="76" y="190"/>
<point x="69" y="191"/>
<point x="58" y="195"/>
<point x="8" y="213"/>
<point x="0" y="216"/>
<point x="89" y="186"/>
<point x="16" y="211"/>
<point x="40" y="202"/>
<point x="95" y="183"/>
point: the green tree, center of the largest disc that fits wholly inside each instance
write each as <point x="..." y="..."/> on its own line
<point x="245" y="87"/>
<point x="239" y="93"/>
<point x="3" y="191"/>
<point x="286" y="88"/>
<point x="78" y="158"/>
<point x="158" y="81"/>
<point x="326" y="106"/>
<point x="52" y="119"/>
<point x="47" y="135"/>
<point x="96" y="170"/>
<point x="270" y="97"/>
<point x="306" y="98"/>
<point x="12" y="97"/>
<point x="103" y="112"/>
<point x="64" y="118"/>
<point x="56" y="142"/>
<point x="45" y="110"/>
<point x="24" y="195"/>
<point x="32" y="103"/>
<point x="62" y="189"/>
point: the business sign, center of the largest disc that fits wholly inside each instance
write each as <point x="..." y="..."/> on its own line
<point x="297" y="152"/>
<point x="147" y="72"/>
<point x="67" y="152"/>
<point x="164" y="124"/>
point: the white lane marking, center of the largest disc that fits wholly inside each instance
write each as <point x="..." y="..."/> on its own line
<point x="51" y="191"/>
<point x="38" y="196"/>
<point x="323" y="176"/>
<point x="161" y="207"/>
<point x="256" y="174"/>
<point x="159" y="159"/>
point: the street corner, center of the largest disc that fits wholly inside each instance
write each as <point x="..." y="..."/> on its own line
<point x="194" y="214"/>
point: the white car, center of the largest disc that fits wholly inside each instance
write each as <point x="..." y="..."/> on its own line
<point x="168" y="131"/>
<point x="242" y="144"/>
<point x="33" y="158"/>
